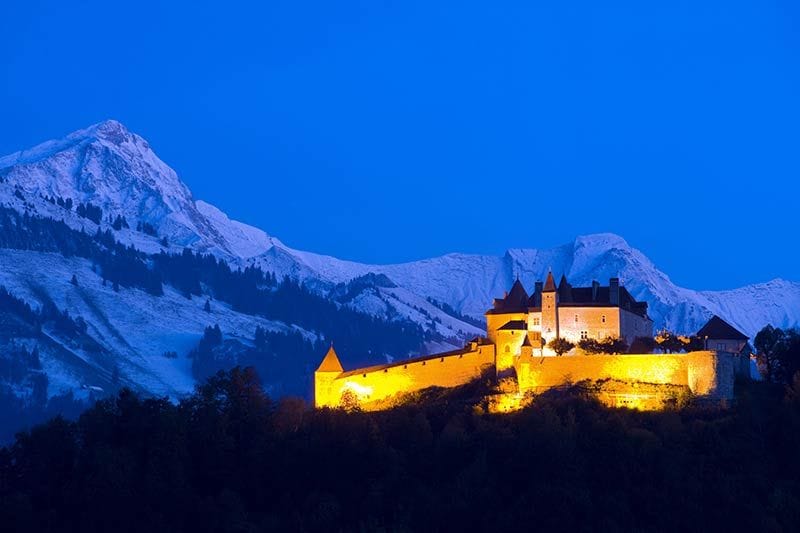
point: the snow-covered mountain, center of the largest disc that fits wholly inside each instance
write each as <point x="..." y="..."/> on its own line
<point x="107" y="166"/>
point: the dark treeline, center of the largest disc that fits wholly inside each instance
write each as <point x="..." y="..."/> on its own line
<point x="230" y="459"/>
<point x="286" y="360"/>
<point x="123" y="266"/>
<point x="23" y="382"/>
<point x="256" y="292"/>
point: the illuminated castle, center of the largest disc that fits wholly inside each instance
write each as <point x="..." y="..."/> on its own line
<point x="516" y="353"/>
<point x="572" y="313"/>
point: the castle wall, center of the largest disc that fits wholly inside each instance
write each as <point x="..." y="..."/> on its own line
<point x="374" y="386"/>
<point x="704" y="373"/>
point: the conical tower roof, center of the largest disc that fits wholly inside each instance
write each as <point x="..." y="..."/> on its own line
<point x="564" y="289"/>
<point x="330" y="363"/>
<point x="550" y="283"/>
<point x="517" y="296"/>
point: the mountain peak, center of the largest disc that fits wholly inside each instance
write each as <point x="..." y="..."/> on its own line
<point x="110" y="130"/>
<point x="116" y="170"/>
<point x="604" y="240"/>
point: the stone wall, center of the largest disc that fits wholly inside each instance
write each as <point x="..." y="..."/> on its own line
<point x="636" y="377"/>
<point x="704" y="373"/>
<point x="377" y="384"/>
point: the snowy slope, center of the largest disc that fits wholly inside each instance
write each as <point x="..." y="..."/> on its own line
<point x="134" y="328"/>
<point x="111" y="167"/>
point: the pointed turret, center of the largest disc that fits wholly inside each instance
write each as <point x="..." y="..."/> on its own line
<point x="330" y="363"/>
<point x="325" y="393"/>
<point x="564" y="290"/>
<point x="550" y="283"/>
<point x="526" y="350"/>
<point x="550" y="298"/>
<point x="517" y="297"/>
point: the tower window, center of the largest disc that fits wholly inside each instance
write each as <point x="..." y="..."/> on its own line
<point x="603" y="319"/>
<point x="507" y="349"/>
<point x="536" y="321"/>
<point x="584" y="335"/>
<point x="576" y="318"/>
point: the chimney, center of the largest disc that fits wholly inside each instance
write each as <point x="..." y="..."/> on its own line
<point x="595" y="289"/>
<point x="613" y="291"/>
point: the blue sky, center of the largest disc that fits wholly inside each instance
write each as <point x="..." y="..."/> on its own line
<point x="392" y="131"/>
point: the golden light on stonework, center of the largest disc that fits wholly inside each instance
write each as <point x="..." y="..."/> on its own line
<point x="362" y="392"/>
<point x="649" y="369"/>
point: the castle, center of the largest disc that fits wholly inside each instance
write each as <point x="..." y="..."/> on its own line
<point x="517" y="352"/>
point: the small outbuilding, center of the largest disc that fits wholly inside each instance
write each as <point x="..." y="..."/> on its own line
<point x="720" y="336"/>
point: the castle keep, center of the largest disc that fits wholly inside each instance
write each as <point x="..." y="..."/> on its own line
<point x="519" y="329"/>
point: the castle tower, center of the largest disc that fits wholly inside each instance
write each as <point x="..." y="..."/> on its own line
<point x="512" y="307"/>
<point x="549" y="309"/>
<point x="327" y="372"/>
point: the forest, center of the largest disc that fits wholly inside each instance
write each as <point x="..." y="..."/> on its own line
<point x="229" y="458"/>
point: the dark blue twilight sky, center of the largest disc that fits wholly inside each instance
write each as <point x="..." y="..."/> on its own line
<point x="391" y="131"/>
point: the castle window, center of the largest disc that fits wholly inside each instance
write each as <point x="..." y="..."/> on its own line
<point x="363" y="375"/>
<point x="536" y="321"/>
<point x="441" y="360"/>
<point x="385" y="370"/>
<point x="603" y="319"/>
<point x="507" y="349"/>
<point x="576" y="319"/>
<point x="584" y="335"/>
